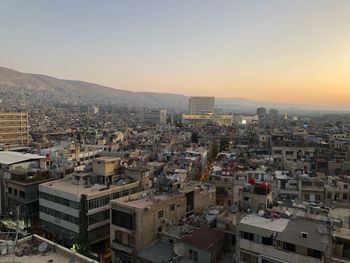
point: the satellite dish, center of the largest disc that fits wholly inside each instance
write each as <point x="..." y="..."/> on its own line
<point x="42" y="247"/>
<point x="179" y="249"/>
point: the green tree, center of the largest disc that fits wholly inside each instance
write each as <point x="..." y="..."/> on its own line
<point x="81" y="245"/>
<point x="194" y="137"/>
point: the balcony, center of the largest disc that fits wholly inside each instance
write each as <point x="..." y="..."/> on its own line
<point x="273" y="252"/>
<point x="122" y="247"/>
<point x="312" y="188"/>
<point x="289" y="191"/>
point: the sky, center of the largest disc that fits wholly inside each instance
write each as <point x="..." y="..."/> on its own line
<point x="273" y="50"/>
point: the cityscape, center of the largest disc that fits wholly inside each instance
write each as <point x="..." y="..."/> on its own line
<point x="118" y="167"/>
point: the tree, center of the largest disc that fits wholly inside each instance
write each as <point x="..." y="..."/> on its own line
<point x="81" y="245"/>
<point x="194" y="137"/>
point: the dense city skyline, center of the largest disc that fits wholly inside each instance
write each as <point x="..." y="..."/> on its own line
<point x="288" y="52"/>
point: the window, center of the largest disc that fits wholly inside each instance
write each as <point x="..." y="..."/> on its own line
<point x="306" y="183"/>
<point x="99" y="217"/>
<point x="122" y="219"/>
<point x="15" y="192"/>
<point x="314" y="253"/>
<point x="248" y="258"/>
<point x="22" y="194"/>
<point x="345" y="186"/>
<point x="267" y="241"/>
<point x="10" y="190"/>
<point x="319" y="184"/>
<point x="59" y="215"/>
<point x="59" y="200"/>
<point x="193" y="255"/>
<point x="160" y="213"/>
<point x="65" y="202"/>
<point x="289" y="247"/>
<point x="172" y="207"/>
<point x="306" y="196"/>
<point x="248" y="236"/>
<point x="345" y="196"/>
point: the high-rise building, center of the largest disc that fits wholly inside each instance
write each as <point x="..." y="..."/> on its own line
<point x="273" y="116"/>
<point x="201" y="105"/>
<point x="14" y="128"/>
<point x="262" y="116"/>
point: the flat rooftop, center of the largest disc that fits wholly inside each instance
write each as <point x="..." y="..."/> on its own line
<point x="343" y="233"/>
<point x="341" y="214"/>
<point x="275" y="225"/>
<point x="143" y="202"/>
<point x="8" y="157"/>
<point x="317" y="234"/>
<point x="158" y="251"/>
<point x="68" y="185"/>
<point x="107" y="159"/>
<point x="204" y="238"/>
<point x="27" y="250"/>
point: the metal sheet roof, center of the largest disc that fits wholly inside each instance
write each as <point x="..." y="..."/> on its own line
<point x="8" y="157"/>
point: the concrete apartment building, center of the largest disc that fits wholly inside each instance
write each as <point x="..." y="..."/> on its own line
<point x="10" y="161"/>
<point x="311" y="188"/>
<point x="224" y="120"/>
<point x="136" y="220"/>
<point x="14" y="129"/>
<point x="203" y="245"/>
<point x="30" y="249"/>
<point x="201" y="105"/>
<point x="255" y="197"/>
<point x="22" y="208"/>
<point x="78" y="206"/>
<point x="276" y="240"/>
<point x="154" y="116"/>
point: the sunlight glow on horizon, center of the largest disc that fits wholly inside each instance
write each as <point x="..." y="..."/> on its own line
<point x="290" y="52"/>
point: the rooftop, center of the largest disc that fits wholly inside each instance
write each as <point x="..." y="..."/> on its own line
<point x="275" y="225"/>
<point x="143" y="200"/>
<point x="343" y="233"/>
<point x="68" y="185"/>
<point x="8" y="157"/>
<point x="317" y="235"/>
<point x="157" y="252"/>
<point x="27" y="250"/>
<point x="204" y="238"/>
<point x="107" y="159"/>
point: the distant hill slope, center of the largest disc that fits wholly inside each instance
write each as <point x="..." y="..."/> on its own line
<point x="18" y="88"/>
<point x="33" y="89"/>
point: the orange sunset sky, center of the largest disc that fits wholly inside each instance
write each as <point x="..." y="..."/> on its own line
<point x="282" y="51"/>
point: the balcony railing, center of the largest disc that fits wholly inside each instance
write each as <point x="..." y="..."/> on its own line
<point x="119" y="246"/>
<point x="273" y="252"/>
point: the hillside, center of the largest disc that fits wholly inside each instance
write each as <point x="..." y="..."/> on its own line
<point x="31" y="89"/>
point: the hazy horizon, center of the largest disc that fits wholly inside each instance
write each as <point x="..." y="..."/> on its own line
<point x="294" y="52"/>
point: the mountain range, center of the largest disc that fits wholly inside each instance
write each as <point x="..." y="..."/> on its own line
<point x="18" y="89"/>
<point x="34" y="89"/>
